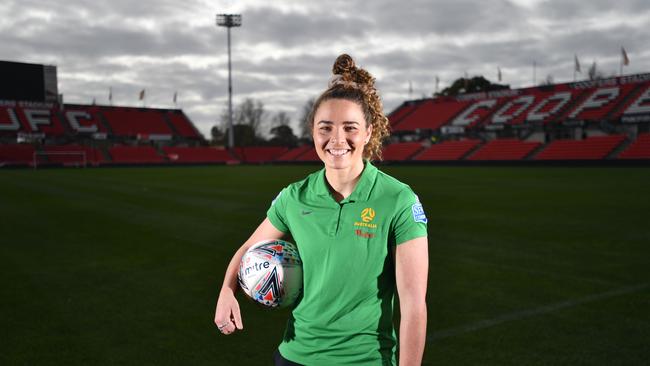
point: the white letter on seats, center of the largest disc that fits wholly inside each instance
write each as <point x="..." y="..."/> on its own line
<point x="523" y="102"/>
<point x="638" y="106"/>
<point x="464" y="119"/>
<point x="562" y="99"/>
<point x="73" y="118"/>
<point x="14" y="125"/>
<point x="37" y="117"/>
<point x="598" y="99"/>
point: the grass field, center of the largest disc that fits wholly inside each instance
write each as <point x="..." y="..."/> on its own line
<point x="529" y="266"/>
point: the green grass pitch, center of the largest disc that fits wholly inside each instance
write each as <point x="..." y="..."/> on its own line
<point x="122" y="266"/>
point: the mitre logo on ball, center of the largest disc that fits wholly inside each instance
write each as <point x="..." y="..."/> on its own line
<point x="270" y="273"/>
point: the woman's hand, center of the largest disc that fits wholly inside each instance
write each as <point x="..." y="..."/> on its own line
<point x="227" y="316"/>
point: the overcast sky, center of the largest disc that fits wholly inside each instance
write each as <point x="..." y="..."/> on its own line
<point x="282" y="55"/>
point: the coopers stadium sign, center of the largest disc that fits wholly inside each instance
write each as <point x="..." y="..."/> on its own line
<point x="608" y="99"/>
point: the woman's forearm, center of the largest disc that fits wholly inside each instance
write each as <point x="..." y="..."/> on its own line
<point x="412" y="333"/>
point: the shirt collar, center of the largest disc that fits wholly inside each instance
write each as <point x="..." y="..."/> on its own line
<point x="361" y="191"/>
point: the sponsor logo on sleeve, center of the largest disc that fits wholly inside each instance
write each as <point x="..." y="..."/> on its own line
<point x="418" y="213"/>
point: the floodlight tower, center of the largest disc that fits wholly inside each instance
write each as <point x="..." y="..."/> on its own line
<point x="229" y="21"/>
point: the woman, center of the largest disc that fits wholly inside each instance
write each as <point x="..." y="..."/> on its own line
<point x="361" y="235"/>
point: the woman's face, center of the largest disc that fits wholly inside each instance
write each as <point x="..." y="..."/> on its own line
<point x="340" y="133"/>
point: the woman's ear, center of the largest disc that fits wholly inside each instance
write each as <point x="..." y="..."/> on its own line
<point x="369" y="134"/>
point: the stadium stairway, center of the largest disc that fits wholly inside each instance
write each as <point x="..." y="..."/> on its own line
<point x="103" y="149"/>
<point x="171" y="126"/>
<point x="160" y="150"/>
<point x="619" y="149"/>
<point x="64" y="122"/>
<point x="105" y="124"/>
<point x="401" y="114"/>
<point x="638" y="149"/>
<point x="537" y="150"/>
<point x="472" y="151"/>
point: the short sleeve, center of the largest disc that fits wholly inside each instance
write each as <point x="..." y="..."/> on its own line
<point x="277" y="212"/>
<point x="410" y="221"/>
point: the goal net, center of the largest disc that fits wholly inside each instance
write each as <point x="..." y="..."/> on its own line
<point x="65" y="158"/>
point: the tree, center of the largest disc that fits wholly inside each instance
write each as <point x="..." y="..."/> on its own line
<point x="250" y="113"/>
<point x="473" y="85"/>
<point x="304" y="123"/>
<point x="244" y="135"/>
<point x="280" y="119"/>
<point x="248" y="118"/>
<point x="282" y="135"/>
<point x="218" y="136"/>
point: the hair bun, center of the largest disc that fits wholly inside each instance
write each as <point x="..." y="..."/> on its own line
<point x="344" y="64"/>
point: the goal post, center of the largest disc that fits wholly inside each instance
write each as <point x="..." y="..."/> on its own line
<point x="67" y="158"/>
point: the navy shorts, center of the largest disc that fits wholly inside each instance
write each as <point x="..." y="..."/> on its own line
<point x="281" y="361"/>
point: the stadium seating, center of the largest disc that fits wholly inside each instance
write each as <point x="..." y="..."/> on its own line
<point x="260" y="154"/>
<point x="447" y="150"/>
<point x="30" y="120"/>
<point x="430" y="115"/>
<point x="504" y="149"/>
<point x="183" y="125"/>
<point x="294" y="153"/>
<point x="16" y="154"/>
<point x="639" y="149"/>
<point x="198" y="155"/>
<point x="135" y="154"/>
<point x="401" y="151"/>
<point x="309" y="155"/>
<point x="599" y="102"/>
<point x="591" y="148"/>
<point x="402" y="111"/>
<point x="134" y="121"/>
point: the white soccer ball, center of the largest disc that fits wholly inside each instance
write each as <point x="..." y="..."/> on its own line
<point x="270" y="273"/>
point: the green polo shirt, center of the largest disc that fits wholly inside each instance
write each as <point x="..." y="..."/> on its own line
<point x="345" y="315"/>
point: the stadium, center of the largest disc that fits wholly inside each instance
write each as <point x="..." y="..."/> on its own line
<point x="603" y="120"/>
<point x="536" y="197"/>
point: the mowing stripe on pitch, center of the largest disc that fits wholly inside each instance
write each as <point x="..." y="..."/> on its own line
<point x="517" y="315"/>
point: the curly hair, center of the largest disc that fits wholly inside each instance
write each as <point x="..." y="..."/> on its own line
<point x="357" y="85"/>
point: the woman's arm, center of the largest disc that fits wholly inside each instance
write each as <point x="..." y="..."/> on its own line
<point x="227" y="316"/>
<point x="411" y="271"/>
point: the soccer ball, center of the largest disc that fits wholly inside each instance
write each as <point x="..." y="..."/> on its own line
<point x="270" y="273"/>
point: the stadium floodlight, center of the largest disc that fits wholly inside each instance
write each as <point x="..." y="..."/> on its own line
<point x="229" y="21"/>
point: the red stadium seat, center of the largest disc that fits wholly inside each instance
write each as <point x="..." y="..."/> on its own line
<point x="504" y="149"/>
<point x="447" y="150"/>
<point x="401" y="151"/>
<point x="183" y="125"/>
<point x="135" y="154"/>
<point x="260" y="154"/>
<point x="430" y="115"/>
<point x="198" y="155"/>
<point x="16" y="154"/>
<point x="133" y="121"/>
<point x="592" y="148"/>
<point x="292" y="154"/>
<point x="310" y="155"/>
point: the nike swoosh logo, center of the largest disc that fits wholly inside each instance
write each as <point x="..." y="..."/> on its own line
<point x="306" y="212"/>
